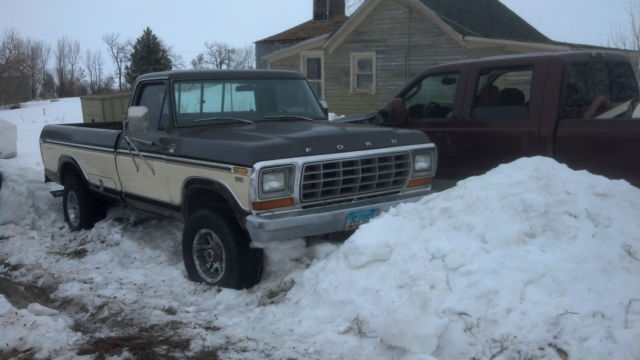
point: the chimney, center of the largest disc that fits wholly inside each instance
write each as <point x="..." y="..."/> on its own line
<point x="324" y="10"/>
<point x="336" y="7"/>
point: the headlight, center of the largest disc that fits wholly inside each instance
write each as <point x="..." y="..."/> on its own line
<point x="424" y="163"/>
<point x="276" y="182"/>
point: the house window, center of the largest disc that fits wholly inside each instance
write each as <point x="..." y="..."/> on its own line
<point x="312" y="68"/>
<point x="363" y="73"/>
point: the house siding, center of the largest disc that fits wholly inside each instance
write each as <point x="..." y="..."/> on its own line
<point x="405" y="42"/>
<point x="491" y="51"/>
<point x="263" y="49"/>
<point x="289" y="63"/>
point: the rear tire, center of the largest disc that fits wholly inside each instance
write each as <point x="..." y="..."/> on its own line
<point x="217" y="252"/>
<point x="81" y="209"/>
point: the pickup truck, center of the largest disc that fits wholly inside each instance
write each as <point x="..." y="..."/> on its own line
<point x="485" y="112"/>
<point x="243" y="158"/>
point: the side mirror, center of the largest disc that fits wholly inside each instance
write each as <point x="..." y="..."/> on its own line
<point x="138" y="120"/>
<point x="325" y="107"/>
<point x="397" y="112"/>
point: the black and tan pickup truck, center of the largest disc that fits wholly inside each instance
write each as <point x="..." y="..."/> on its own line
<point x="243" y="158"/>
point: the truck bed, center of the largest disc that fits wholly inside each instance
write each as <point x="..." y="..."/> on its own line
<point x="101" y="135"/>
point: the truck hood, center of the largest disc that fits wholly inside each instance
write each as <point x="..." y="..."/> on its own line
<point x="247" y="144"/>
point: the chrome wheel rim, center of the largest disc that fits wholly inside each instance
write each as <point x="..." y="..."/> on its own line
<point x="208" y="255"/>
<point x="73" y="209"/>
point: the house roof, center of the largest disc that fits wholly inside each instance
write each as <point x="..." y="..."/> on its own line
<point x="485" y="18"/>
<point x="308" y="30"/>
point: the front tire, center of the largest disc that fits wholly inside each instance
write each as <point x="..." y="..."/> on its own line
<point x="81" y="209"/>
<point x="216" y="251"/>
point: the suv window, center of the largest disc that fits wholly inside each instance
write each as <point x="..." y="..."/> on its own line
<point x="586" y="81"/>
<point x="503" y="93"/>
<point x="433" y="97"/>
<point x="154" y="97"/>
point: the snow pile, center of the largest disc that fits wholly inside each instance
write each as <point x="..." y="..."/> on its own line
<point x="36" y="328"/>
<point x="532" y="260"/>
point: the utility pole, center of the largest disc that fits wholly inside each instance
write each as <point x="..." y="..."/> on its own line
<point x="229" y="52"/>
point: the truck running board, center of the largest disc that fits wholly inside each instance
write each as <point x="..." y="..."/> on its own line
<point x="57" y="193"/>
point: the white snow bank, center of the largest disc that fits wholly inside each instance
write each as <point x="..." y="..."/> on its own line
<point x="38" y="328"/>
<point x="531" y="260"/>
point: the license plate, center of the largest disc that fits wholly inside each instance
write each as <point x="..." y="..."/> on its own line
<point x="358" y="218"/>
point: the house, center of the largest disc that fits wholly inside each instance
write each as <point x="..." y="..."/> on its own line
<point x="356" y="63"/>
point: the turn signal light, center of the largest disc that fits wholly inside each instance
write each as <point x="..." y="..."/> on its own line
<point x="272" y="204"/>
<point x="241" y="171"/>
<point x="419" y="182"/>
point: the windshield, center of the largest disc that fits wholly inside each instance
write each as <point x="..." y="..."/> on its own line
<point x="200" y="102"/>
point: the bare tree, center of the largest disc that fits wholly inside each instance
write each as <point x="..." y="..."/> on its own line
<point x="95" y="68"/>
<point x="177" y="62"/>
<point x="222" y="56"/>
<point x="626" y="34"/>
<point x="91" y="70"/>
<point x="198" y="62"/>
<point x="67" y="57"/>
<point x="43" y="62"/>
<point x="73" y="61"/>
<point x="12" y="52"/>
<point x="60" y="56"/>
<point x="14" y="86"/>
<point x="34" y="66"/>
<point x="218" y="55"/>
<point x="243" y="58"/>
<point x="23" y="66"/>
<point x="119" y="52"/>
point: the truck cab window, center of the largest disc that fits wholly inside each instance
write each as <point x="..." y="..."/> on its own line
<point x="503" y="93"/>
<point x="154" y="98"/>
<point x="225" y="101"/>
<point x="588" y="84"/>
<point x="433" y="97"/>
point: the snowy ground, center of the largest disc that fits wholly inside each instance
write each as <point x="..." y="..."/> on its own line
<point x="530" y="261"/>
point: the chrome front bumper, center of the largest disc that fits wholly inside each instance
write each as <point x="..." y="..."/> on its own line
<point x="319" y="220"/>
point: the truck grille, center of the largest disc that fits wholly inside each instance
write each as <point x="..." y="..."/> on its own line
<point x="347" y="178"/>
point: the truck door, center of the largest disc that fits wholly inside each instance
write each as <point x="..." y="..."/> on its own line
<point x="500" y="121"/>
<point x="139" y="158"/>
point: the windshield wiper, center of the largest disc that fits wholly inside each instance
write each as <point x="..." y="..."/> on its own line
<point x="224" y="119"/>
<point x="285" y="117"/>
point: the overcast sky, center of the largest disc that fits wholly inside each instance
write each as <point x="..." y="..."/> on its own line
<point x="186" y="24"/>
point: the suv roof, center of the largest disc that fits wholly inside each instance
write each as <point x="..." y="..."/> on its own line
<point x="564" y="56"/>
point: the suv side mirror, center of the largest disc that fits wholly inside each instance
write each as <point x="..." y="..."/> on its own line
<point x="138" y="120"/>
<point x="397" y="112"/>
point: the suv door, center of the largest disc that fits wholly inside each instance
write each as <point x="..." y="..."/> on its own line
<point x="501" y="119"/>
<point x="432" y="103"/>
